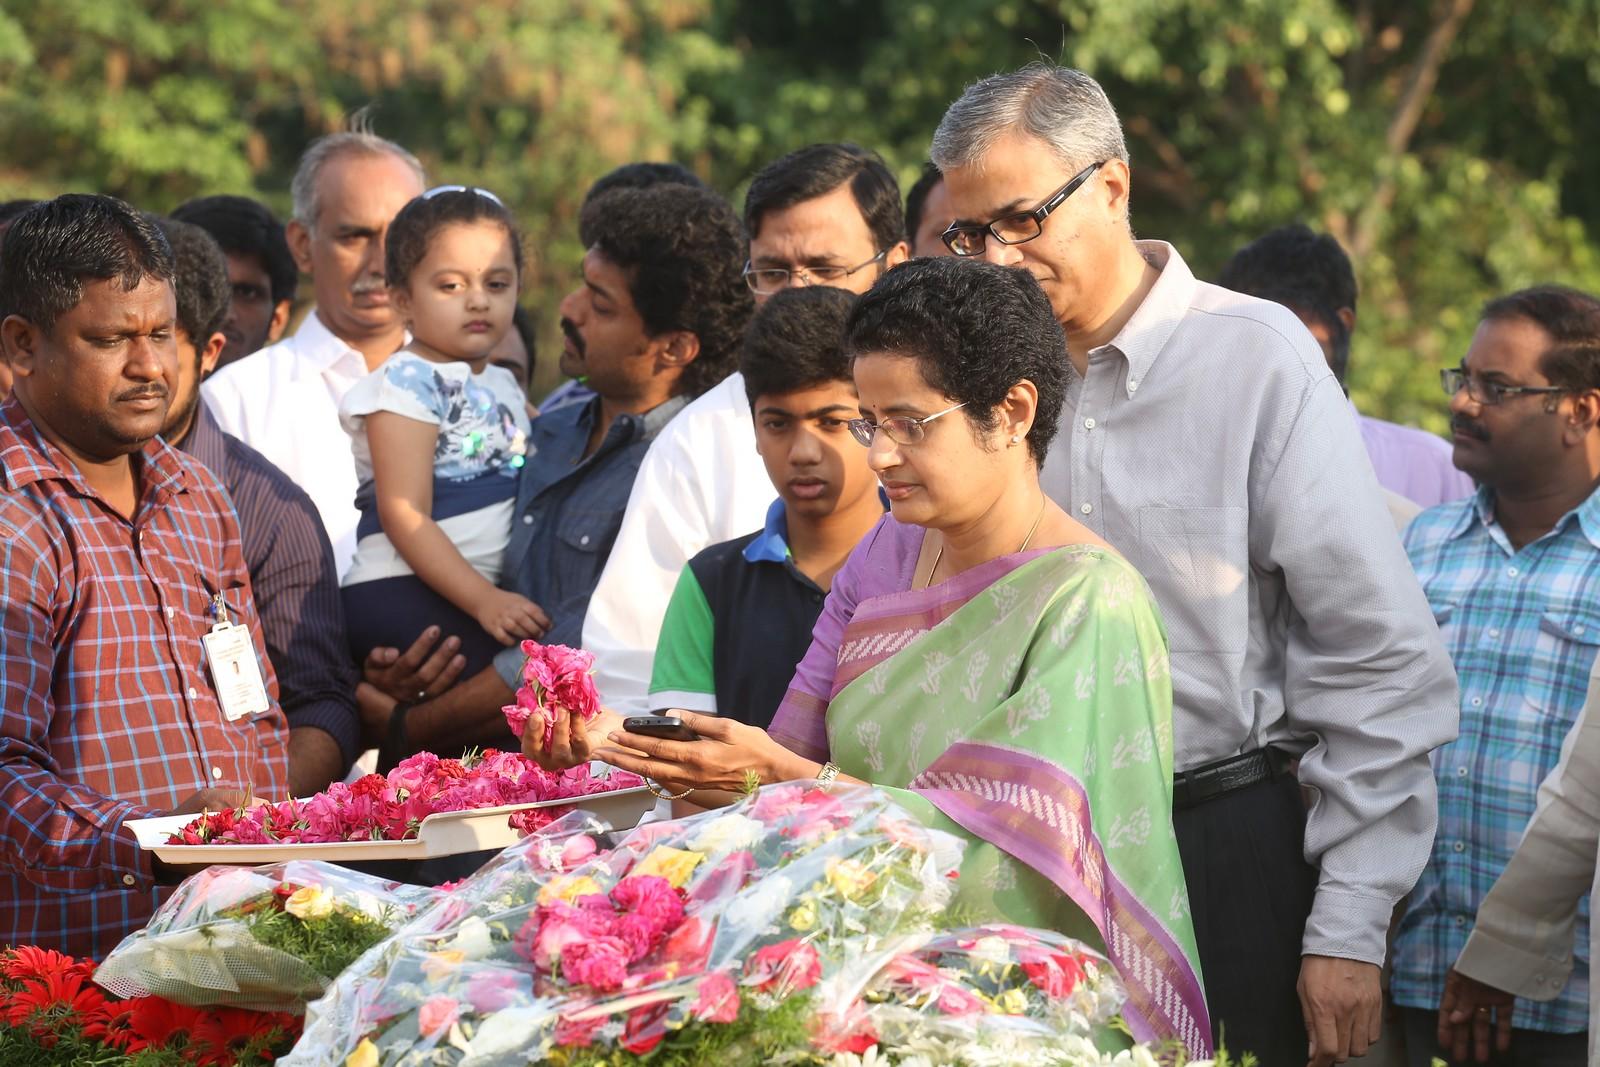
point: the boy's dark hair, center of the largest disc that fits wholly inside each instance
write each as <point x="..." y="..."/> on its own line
<point x="1304" y="271"/>
<point x="796" y="341"/>
<point x="819" y="169"/>
<point x="245" y="227"/>
<point x="975" y="329"/>
<point x="413" y="228"/>
<point x="11" y="209"/>
<point x="1571" y="318"/>
<point x="918" y="197"/>
<point x="199" y="279"/>
<point x="682" y="250"/>
<point x="54" y="247"/>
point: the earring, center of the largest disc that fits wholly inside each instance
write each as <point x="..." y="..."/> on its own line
<point x="1016" y="439"/>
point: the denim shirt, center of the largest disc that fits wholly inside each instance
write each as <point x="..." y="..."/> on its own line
<point x="569" y="509"/>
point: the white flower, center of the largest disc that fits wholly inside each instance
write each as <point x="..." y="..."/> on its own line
<point x="472" y="938"/>
<point x="991" y="949"/>
<point x="727" y="833"/>
<point x="759" y="904"/>
<point x="503" y="1034"/>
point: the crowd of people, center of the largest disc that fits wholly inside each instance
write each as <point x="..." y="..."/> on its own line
<point x="970" y="495"/>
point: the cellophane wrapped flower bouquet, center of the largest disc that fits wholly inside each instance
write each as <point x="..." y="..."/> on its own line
<point x="802" y="925"/>
<point x="268" y="938"/>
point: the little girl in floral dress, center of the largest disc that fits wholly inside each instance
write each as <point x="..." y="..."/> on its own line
<point x="439" y="435"/>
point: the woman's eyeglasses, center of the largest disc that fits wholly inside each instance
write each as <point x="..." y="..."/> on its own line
<point x="901" y="429"/>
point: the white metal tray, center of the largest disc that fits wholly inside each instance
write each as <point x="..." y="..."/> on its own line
<point x="447" y="834"/>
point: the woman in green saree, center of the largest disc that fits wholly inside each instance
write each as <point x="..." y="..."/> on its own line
<point x="981" y="655"/>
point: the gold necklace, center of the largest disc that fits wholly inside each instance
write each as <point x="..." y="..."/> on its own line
<point x="1026" y="541"/>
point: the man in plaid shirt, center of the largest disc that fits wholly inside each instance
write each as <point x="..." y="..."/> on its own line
<point x="1513" y="575"/>
<point x="115" y="551"/>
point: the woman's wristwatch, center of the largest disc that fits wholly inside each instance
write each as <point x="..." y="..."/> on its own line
<point x="829" y="772"/>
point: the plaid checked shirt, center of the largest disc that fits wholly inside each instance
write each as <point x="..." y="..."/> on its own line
<point x="1523" y="628"/>
<point x="107" y="712"/>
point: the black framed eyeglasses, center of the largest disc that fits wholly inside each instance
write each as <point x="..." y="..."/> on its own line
<point x="901" y="429"/>
<point x="769" y="280"/>
<point x="1016" y="229"/>
<point x="1487" y="393"/>
<point x="486" y="194"/>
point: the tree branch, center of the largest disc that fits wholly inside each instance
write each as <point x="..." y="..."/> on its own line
<point x="1403" y="125"/>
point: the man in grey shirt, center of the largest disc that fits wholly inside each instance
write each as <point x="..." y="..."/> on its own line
<point x="1206" y="438"/>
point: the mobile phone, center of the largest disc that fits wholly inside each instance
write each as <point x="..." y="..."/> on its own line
<point x="666" y="726"/>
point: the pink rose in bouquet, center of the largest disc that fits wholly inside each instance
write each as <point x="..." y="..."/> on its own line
<point x="554" y="677"/>
<point x="600" y="963"/>
<point x="437" y="1014"/>
<point x="718" y="1000"/>
<point x="783" y="968"/>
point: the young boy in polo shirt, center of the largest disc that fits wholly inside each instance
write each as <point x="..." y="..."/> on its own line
<point x="741" y="616"/>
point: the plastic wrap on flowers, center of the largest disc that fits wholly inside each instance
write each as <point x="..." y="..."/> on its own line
<point x="704" y="938"/>
<point x="994" y="994"/>
<point x="267" y="938"/>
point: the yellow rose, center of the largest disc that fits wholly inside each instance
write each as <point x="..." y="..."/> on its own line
<point x="442" y="964"/>
<point x="365" y="1055"/>
<point x="803" y="917"/>
<point x="568" y="889"/>
<point x="309" y="903"/>
<point x="673" y="864"/>
<point x="1012" y="1002"/>
<point x="850" y="877"/>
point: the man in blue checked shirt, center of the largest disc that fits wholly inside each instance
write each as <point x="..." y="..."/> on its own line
<point x="1513" y="576"/>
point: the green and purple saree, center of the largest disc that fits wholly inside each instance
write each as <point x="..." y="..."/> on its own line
<point x="1026" y="705"/>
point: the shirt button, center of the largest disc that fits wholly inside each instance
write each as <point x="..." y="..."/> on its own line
<point x="1512" y="572"/>
<point x="527" y="520"/>
<point x="1494" y="633"/>
<point x="169" y="613"/>
<point x="128" y="879"/>
<point x="583" y="540"/>
<point x="1088" y="424"/>
<point x="1461" y="920"/>
<point x="1477" y="702"/>
<point x="1086" y="508"/>
<point x="216" y="773"/>
<point x="194" y="694"/>
<point x="1460" y="846"/>
<point x="1461" y="772"/>
<point x="1133" y="385"/>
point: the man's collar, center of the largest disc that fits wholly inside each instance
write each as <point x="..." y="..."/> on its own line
<point x="1153" y="322"/>
<point x="319" y="347"/>
<point x="772" y="543"/>
<point x="1586" y="515"/>
<point x="204" y="441"/>
<point x="27" y="456"/>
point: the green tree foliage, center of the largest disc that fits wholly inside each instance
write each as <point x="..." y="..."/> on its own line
<point x="1443" y="141"/>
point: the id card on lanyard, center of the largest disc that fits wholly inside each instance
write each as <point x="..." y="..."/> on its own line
<point x="235" y="671"/>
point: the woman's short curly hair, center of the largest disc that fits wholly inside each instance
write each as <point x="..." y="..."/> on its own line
<point x="413" y="228"/>
<point x="976" y="330"/>
<point x="683" y="251"/>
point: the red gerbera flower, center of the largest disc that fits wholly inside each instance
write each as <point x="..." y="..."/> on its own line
<point x="53" y="997"/>
<point x="223" y="1035"/>
<point x="31" y="961"/>
<point x="156" y="1023"/>
<point x="112" y="1025"/>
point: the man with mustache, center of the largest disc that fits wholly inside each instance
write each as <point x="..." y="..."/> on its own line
<point x="286" y="551"/>
<point x="119" y="564"/>
<point x="1513" y="574"/>
<point x="656" y="322"/>
<point x="284" y="401"/>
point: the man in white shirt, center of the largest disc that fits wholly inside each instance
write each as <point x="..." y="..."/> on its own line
<point x="1205" y="437"/>
<point x="827" y="214"/>
<point x="284" y="401"/>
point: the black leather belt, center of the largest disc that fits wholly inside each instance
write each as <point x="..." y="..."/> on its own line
<point x="1230" y="775"/>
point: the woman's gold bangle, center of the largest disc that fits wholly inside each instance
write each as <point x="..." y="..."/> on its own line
<point x="659" y="795"/>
